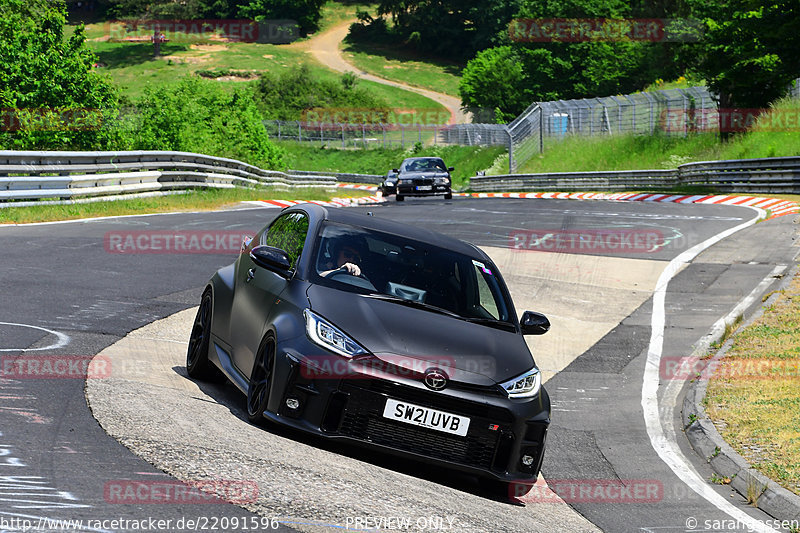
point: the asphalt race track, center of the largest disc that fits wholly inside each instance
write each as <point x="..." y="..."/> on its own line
<point x="67" y="296"/>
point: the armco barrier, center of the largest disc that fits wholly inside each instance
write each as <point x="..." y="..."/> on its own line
<point x="68" y="175"/>
<point x="348" y="177"/>
<point x="762" y="176"/>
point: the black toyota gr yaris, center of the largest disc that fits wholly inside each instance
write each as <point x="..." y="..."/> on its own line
<point x="375" y="332"/>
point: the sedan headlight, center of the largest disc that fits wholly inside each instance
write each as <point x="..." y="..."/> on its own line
<point x="442" y="181"/>
<point x="524" y="386"/>
<point x="329" y="336"/>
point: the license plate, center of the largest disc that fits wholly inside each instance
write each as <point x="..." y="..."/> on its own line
<point x="424" y="187"/>
<point x="425" y="417"/>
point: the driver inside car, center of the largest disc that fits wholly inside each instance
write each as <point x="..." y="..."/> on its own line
<point x="346" y="259"/>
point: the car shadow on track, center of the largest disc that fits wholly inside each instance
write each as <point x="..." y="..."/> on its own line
<point x="226" y="394"/>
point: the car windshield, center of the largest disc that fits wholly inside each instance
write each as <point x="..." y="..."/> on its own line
<point x="410" y="272"/>
<point x="424" y="165"/>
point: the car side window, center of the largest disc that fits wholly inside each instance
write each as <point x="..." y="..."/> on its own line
<point x="485" y="297"/>
<point x="288" y="232"/>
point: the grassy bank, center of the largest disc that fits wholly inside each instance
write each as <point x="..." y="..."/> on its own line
<point x="396" y="64"/>
<point x="754" y="400"/>
<point x="132" y="67"/>
<point x="467" y="160"/>
<point x="199" y="200"/>
<point x="773" y="138"/>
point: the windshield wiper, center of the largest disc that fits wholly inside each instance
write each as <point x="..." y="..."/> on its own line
<point x="414" y="303"/>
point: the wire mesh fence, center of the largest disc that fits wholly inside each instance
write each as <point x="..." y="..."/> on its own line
<point x="340" y="135"/>
<point x="673" y="112"/>
<point x="670" y="112"/>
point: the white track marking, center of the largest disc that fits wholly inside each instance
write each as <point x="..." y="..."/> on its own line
<point x="664" y="443"/>
<point x="62" y="341"/>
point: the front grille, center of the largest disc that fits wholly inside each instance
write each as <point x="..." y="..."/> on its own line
<point x="363" y="419"/>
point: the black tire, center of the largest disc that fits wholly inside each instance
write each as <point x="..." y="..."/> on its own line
<point x="448" y="196"/>
<point x="260" y="377"/>
<point x="197" y="364"/>
<point x="399" y="197"/>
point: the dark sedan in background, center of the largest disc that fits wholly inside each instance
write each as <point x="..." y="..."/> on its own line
<point x="418" y="176"/>
<point x="381" y="334"/>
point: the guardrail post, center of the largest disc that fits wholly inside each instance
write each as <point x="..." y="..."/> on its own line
<point x="299" y="132"/>
<point x="511" y="168"/>
<point x="541" y="130"/>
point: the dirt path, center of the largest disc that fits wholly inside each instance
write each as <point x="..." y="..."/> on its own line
<point x="325" y="48"/>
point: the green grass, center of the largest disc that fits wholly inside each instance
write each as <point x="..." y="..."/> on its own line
<point x="334" y="12"/>
<point x="132" y="67"/>
<point x="628" y="152"/>
<point x="753" y="398"/>
<point x="467" y="160"/>
<point x="199" y="200"/>
<point x="398" y="64"/>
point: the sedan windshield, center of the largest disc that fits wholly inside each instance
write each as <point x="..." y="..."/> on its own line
<point x="410" y="272"/>
<point x="424" y="165"/>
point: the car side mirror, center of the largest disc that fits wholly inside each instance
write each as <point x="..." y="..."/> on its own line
<point x="395" y="171"/>
<point x="533" y="323"/>
<point x="273" y="259"/>
<point x="450" y="169"/>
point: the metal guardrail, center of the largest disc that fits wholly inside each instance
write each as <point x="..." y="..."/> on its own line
<point x="768" y="175"/>
<point x="349" y="177"/>
<point x="69" y="175"/>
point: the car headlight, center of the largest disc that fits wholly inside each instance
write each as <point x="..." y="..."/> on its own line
<point x="442" y="181"/>
<point x="524" y="386"/>
<point x="329" y="336"/>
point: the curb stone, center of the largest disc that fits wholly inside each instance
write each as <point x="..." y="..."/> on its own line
<point x="773" y="499"/>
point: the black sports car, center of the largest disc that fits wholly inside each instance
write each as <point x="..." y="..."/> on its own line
<point x="418" y="176"/>
<point x="370" y="331"/>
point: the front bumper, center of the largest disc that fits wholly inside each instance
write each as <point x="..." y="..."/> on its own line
<point x="422" y="190"/>
<point x="350" y="409"/>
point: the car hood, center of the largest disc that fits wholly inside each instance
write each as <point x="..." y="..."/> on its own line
<point x="415" y="339"/>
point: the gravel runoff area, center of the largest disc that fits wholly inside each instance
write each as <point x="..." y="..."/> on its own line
<point x="196" y="431"/>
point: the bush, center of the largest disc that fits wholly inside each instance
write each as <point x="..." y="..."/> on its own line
<point x="288" y="96"/>
<point x="200" y="116"/>
<point x="52" y="97"/>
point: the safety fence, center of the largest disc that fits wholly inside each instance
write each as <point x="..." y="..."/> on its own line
<point x="777" y="175"/>
<point x="669" y="112"/>
<point x="70" y="175"/>
<point x="374" y="135"/>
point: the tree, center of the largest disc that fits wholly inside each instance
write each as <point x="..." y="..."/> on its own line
<point x="48" y="87"/>
<point x="495" y="81"/>
<point x="307" y="13"/>
<point x="453" y="28"/>
<point x="749" y="54"/>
